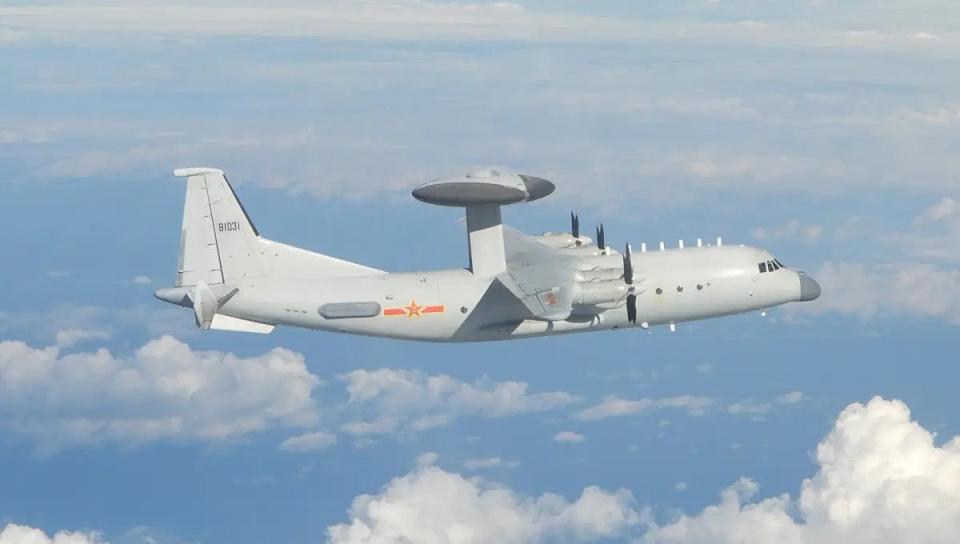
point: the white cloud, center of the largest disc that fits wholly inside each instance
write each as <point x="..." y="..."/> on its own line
<point x="427" y="459"/>
<point x="400" y="19"/>
<point x="755" y="171"/>
<point x="71" y="337"/>
<point x="141" y="280"/>
<point x="383" y="19"/>
<point x="308" y="442"/>
<point x="412" y="400"/>
<point x="29" y="135"/>
<point x="946" y="207"/>
<point x="430" y="505"/>
<point x="791" y="230"/>
<point x="942" y="116"/>
<point x="934" y="234"/>
<point x="489" y="462"/>
<point x="151" y="319"/>
<point x="165" y="391"/>
<point x="381" y="425"/>
<point x="616" y="406"/>
<point x="22" y="534"/>
<point x="881" y="478"/>
<point x="895" y="289"/>
<point x="759" y="409"/>
<point x="569" y="436"/>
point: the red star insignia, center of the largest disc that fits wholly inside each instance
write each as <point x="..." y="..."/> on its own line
<point x="413" y="310"/>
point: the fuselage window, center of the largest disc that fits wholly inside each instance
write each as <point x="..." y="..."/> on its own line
<point x="763" y="267"/>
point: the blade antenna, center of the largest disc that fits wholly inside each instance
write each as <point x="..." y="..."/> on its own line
<point x="574" y="225"/>
<point x="601" y="241"/>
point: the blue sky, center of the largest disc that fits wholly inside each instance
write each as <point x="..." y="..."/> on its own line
<point x="823" y="131"/>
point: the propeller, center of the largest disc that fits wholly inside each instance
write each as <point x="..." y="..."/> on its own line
<point x="628" y="278"/>
<point x="574" y="225"/>
<point x="601" y="241"/>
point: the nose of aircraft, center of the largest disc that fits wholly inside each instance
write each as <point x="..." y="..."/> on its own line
<point x="809" y="288"/>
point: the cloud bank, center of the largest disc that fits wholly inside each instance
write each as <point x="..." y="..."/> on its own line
<point x="165" y="391"/>
<point x="880" y="477"/>
<point x="410" y="400"/>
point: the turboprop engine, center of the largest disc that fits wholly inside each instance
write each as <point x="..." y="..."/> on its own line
<point x="602" y="294"/>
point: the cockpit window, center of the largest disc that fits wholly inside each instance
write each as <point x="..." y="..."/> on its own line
<point x="770" y="266"/>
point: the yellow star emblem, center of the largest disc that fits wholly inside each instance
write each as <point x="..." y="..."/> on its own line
<point x="413" y="310"/>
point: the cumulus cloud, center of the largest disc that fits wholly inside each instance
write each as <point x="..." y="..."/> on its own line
<point x="569" y="436"/>
<point x="412" y="400"/>
<point x="165" y="391"/>
<point x="22" y="534"/>
<point x="431" y="505"/>
<point x="616" y="406"/>
<point x="881" y="478"/>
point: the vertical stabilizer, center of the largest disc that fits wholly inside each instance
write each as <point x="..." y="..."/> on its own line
<point x="199" y="257"/>
<point x="218" y="242"/>
<point x="219" y="245"/>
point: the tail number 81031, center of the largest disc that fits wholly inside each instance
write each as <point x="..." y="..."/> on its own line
<point x="229" y="226"/>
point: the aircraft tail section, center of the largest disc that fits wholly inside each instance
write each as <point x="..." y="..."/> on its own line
<point x="217" y="240"/>
<point x="219" y="244"/>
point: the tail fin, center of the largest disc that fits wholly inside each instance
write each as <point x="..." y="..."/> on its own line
<point x="218" y="240"/>
<point x="220" y="245"/>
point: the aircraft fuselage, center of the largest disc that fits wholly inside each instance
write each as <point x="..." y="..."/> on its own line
<point x="678" y="285"/>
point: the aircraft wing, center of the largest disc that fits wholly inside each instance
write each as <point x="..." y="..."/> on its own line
<point x="539" y="276"/>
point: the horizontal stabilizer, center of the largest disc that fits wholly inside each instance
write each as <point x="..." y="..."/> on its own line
<point x="227" y="323"/>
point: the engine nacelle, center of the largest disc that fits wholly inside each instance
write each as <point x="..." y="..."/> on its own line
<point x="606" y="295"/>
<point x="601" y="274"/>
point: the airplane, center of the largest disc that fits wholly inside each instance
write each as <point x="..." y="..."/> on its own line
<point x="516" y="285"/>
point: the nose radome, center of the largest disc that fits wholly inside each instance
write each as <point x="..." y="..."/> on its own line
<point x="809" y="288"/>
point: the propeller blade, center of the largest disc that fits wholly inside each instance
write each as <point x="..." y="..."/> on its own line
<point x="574" y="225"/>
<point x="601" y="241"/>
<point x="632" y="308"/>
<point x="628" y="266"/>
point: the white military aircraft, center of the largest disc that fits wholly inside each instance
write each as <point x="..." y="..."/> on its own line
<point x="516" y="285"/>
